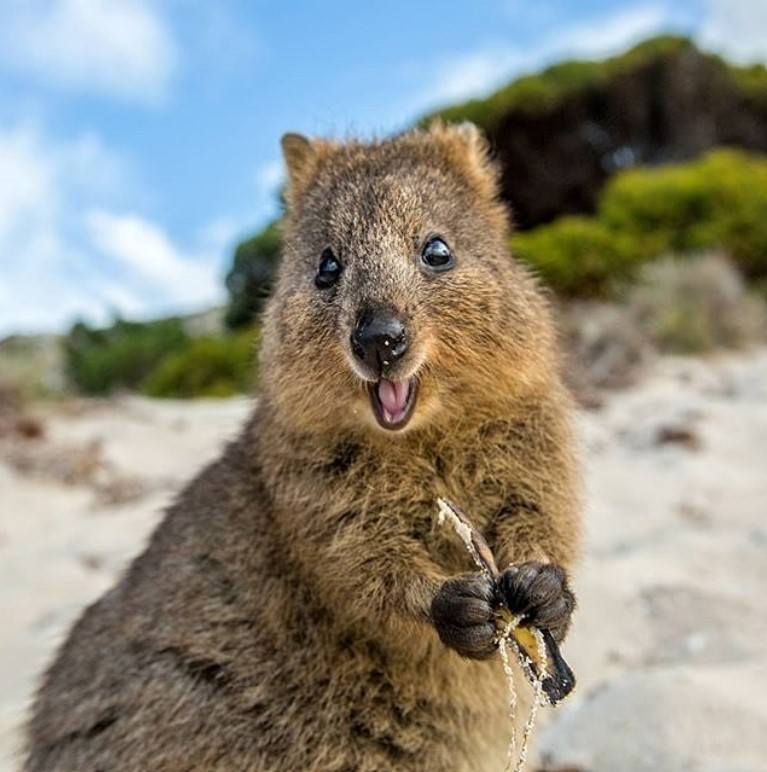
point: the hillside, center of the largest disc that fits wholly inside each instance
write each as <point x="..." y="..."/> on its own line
<point x="562" y="133"/>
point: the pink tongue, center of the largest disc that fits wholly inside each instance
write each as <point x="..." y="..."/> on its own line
<point x="393" y="395"/>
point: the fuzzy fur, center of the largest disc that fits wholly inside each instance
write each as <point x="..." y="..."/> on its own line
<point x="280" y="617"/>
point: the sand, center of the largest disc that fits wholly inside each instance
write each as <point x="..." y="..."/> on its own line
<point x="670" y="639"/>
<point x="62" y="544"/>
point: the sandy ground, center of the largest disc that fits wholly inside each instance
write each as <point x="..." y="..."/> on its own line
<point x="670" y="641"/>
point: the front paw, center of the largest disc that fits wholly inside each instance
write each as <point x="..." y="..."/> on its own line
<point x="463" y="614"/>
<point x="540" y="592"/>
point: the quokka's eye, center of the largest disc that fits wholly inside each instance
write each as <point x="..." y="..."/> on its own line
<point x="436" y="255"/>
<point x="329" y="270"/>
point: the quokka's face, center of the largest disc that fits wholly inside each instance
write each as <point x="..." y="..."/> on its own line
<point x="393" y="300"/>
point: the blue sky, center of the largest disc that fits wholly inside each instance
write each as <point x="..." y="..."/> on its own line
<point x="139" y="138"/>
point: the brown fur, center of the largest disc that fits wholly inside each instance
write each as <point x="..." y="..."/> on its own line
<point x="280" y="617"/>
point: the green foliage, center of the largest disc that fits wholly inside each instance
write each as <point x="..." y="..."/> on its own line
<point x="252" y="275"/>
<point x="99" y="361"/>
<point x="751" y="80"/>
<point x="160" y="359"/>
<point x="717" y="202"/>
<point x="578" y="256"/>
<point x="207" y="367"/>
<point x="533" y="93"/>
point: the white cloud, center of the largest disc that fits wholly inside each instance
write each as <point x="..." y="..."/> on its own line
<point x="476" y="73"/>
<point x="122" y="48"/>
<point x="26" y="184"/>
<point x="70" y="247"/>
<point x="736" y="28"/>
<point x="146" y="252"/>
<point x="612" y="34"/>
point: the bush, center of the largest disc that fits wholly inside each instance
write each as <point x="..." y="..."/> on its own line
<point x="578" y="256"/>
<point x="207" y="367"/>
<point x="695" y="305"/>
<point x="99" y="361"/>
<point x="718" y="202"/>
<point x="250" y="280"/>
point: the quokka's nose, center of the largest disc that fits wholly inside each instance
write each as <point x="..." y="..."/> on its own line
<point x="379" y="339"/>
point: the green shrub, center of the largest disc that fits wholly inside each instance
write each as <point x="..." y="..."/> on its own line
<point x="207" y="367"/>
<point x="578" y="256"/>
<point x="99" y="361"/>
<point x="530" y="93"/>
<point x="752" y="80"/>
<point x="250" y="280"/>
<point x="717" y="202"/>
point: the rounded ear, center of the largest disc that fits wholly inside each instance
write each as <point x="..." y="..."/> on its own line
<point x="466" y="140"/>
<point x="301" y="158"/>
<point x="470" y="134"/>
<point x="469" y="149"/>
<point x="298" y="152"/>
<point x="474" y="140"/>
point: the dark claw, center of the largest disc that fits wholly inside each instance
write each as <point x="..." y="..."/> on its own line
<point x="539" y="591"/>
<point x="462" y="613"/>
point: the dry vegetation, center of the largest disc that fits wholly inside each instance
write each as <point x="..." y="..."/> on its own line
<point x="693" y="305"/>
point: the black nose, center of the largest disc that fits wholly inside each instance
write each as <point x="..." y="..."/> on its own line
<point x="379" y="339"/>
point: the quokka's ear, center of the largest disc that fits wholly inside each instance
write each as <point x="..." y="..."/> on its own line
<point x="472" y="137"/>
<point x="298" y="152"/>
<point x="474" y="142"/>
<point x="469" y="148"/>
<point x="301" y="155"/>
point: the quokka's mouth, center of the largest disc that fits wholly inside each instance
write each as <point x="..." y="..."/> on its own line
<point x="393" y="402"/>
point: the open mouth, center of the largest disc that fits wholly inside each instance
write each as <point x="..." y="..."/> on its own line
<point x="393" y="402"/>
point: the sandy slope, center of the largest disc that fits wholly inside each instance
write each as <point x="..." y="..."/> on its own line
<point x="61" y="546"/>
<point x="670" y="640"/>
<point x="670" y="643"/>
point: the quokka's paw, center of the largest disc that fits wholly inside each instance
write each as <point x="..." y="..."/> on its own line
<point x="541" y="593"/>
<point x="463" y="614"/>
